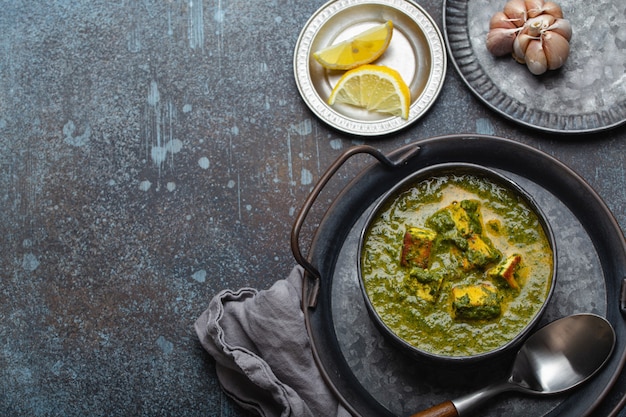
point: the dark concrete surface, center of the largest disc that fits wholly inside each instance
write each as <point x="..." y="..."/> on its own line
<point x="152" y="153"/>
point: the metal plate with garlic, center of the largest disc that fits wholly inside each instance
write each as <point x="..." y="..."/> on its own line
<point x="587" y="94"/>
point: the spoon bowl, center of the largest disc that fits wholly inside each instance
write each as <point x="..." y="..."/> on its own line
<point x="558" y="357"/>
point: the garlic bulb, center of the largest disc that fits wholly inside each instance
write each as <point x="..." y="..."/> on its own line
<point x="533" y="31"/>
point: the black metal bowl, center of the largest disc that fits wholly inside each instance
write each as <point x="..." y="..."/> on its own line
<point x="454" y="360"/>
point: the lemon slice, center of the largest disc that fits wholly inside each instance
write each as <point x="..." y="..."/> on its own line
<point x="361" y="49"/>
<point x="375" y="88"/>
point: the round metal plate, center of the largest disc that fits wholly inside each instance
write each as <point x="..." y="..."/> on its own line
<point x="374" y="378"/>
<point x="587" y="94"/>
<point x="416" y="51"/>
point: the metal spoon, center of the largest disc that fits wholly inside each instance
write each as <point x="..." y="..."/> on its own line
<point x="558" y="357"/>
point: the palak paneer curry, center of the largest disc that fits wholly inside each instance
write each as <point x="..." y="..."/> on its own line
<point x="456" y="265"/>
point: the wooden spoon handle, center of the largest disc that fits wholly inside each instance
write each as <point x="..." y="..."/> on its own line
<point x="445" y="409"/>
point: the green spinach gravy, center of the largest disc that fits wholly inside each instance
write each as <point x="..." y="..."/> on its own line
<point x="456" y="265"/>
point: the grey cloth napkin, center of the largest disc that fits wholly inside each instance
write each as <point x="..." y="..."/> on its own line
<point x="262" y="352"/>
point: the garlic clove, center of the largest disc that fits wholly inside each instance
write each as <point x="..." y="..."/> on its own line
<point x="500" y="20"/>
<point x="536" y="60"/>
<point x="516" y="11"/>
<point x="556" y="49"/>
<point x="500" y="41"/>
<point x="534" y="7"/>
<point x="520" y="45"/>
<point x="562" y="27"/>
<point x="553" y="9"/>
<point x="518" y="54"/>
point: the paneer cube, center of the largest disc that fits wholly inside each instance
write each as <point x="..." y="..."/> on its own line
<point x="477" y="253"/>
<point x="451" y="220"/>
<point x="481" y="252"/>
<point x="416" y="247"/>
<point x="424" y="284"/>
<point x="476" y="302"/>
<point x="457" y="221"/>
<point x="505" y="271"/>
<point x="462" y="221"/>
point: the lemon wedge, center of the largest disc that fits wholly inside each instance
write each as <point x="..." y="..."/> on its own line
<point x="361" y="49"/>
<point x="375" y="88"/>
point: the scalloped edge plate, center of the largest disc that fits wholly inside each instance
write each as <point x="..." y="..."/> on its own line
<point x="584" y="96"/>
<point x="416" y="51"/>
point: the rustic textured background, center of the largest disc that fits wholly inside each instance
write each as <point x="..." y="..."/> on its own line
<point x="153" y="152"/>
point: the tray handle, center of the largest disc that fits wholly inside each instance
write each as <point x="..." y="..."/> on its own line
<point x="397" y="161"/>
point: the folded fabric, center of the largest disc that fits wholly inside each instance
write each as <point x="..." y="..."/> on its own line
<point x="262" y="352"/>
